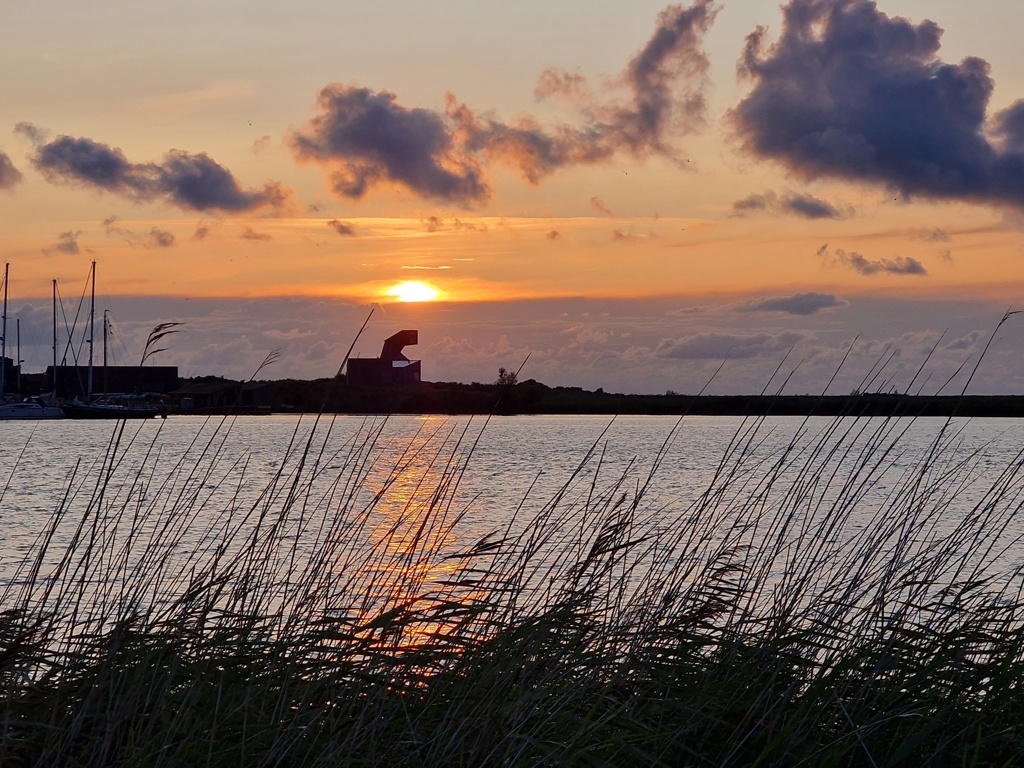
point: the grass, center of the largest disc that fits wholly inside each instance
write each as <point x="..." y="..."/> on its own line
<point x="340" y="616"/>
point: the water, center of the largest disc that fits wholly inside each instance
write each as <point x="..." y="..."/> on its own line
<point x="140" y="511"/>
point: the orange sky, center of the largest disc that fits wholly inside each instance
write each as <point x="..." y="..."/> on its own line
<point x="320" y="157"/>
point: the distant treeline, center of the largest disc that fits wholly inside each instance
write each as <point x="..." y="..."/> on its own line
<point x="533" y="397"/>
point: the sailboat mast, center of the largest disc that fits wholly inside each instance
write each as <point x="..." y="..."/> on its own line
<point x="106" y="327"/>
<point x="54" y="337"/>
<point x="3" y="340"/>
<point x="92" y="323"/>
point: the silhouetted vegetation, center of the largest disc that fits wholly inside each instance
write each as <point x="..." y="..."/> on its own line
<point x="761" y="622"/>
<point x="533" y="397"/>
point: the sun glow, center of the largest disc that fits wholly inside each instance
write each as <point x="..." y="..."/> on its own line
<point x="413" y="290"/>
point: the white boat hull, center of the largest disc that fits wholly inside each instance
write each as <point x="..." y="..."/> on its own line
<point x="29" y="411"/>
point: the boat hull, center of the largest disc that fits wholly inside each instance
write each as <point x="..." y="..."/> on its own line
<point x="29" y="412"/>
<point x="82" y="411"/>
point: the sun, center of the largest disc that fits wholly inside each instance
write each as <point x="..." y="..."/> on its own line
<point x="413" y="290"/>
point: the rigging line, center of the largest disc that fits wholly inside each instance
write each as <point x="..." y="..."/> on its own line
<point x="69" y="330"/>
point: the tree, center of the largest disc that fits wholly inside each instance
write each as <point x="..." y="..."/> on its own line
<point x="507" y="378"/>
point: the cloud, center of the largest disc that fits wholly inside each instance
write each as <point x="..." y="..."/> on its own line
<point x="810" y="207"/>
<point x="260" y="145"/>
<point x="33" y="133"/>
<point x="755" y="202"/>
<point x="9" y="175"/>
<point x="847" y="92"/>
<point x="554" y="234"/>
<point x="901" y="265"/>
<point x="967" y="342"/>
<point x="665" y="81"/>
<point x="289" y="335"/>
<point x="804" y="206"/>
<point x="67" y="242"/>
<point x="798" y="304"/>
<point x="370" y="138"/>
<point x="155" y="238"/>
<point x="437" y="224"/>
<point x="935" y="235"/>
<point x="248" y="233"/>
<point x="598" y="203"/>
<point x="342" y="228"/>
<point x="367" y="138"/>
<point x="321" y="351"/>
<point x="722" y="346"/>
<point x="191" y="182"/>
<point x="1009" y="128"/>
<point x="160" y="238"/>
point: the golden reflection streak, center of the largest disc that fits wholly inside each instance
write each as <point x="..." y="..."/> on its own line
<point x="411" y="571"/>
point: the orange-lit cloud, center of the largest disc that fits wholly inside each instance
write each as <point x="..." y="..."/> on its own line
<point x="367" y="138"/>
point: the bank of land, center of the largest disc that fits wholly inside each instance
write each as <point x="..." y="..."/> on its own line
<point x="533" y="397"/>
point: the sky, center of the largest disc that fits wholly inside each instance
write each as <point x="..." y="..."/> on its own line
<point x="729" y="197"/>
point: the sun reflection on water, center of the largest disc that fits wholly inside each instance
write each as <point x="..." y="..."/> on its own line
<point x="409" y="574"/>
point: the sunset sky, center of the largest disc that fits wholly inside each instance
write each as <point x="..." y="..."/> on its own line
<point x="623" y="195"/>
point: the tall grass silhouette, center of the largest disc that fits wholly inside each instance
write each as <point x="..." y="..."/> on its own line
<point x="341" y="614"/>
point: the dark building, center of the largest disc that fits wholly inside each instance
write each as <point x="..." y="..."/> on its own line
<point x="391" y="369"/>
<point x="10" y="373"/>
<point x="73" y="380"/>
<point x="223" y="396"/>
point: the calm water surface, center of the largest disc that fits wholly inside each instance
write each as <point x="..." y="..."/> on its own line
<point x="168" y="496"/>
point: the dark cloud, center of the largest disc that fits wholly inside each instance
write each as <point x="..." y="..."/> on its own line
<point x="1009" y="128"/>
<point x="722" y="346"/>
<point x="160" y="238"/>
<point x="554" y="234"/>
<point x="810" y="207"/>
<point x="755" y="202"/>
<point x="202" y="232"/>
<point x="598" y="203"/>
<point x="9" y="175"/>
<point x="368" y="138"/>
<point x="342" y="227"/>
<point x="850" y="93"/>
<point x="248" y="233"/>
<point x="154" y="238"/>
<point x="797" y="304"/>
<point x="67" y="242"/>
<point x="437" y="224"/>
<point x="33" y="133"/>
<point x="901" y="265"/>
<point x="805" y="206"/>
<point x="935" y="235"/>
<point x="198" y="183"/>
<point x="192" y="182"/>
<point x="665" y="82"/>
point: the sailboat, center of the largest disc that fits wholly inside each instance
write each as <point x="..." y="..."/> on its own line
<point x="91" y="407"/>
<point x="29" y="408"/>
